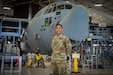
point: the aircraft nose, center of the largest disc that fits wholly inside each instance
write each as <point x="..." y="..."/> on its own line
<point x="75" y="23"/>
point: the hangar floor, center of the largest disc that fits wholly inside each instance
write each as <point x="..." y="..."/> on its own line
<point x="47" y="71"/>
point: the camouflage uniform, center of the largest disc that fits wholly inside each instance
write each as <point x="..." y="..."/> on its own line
<point x="61" y="47"/>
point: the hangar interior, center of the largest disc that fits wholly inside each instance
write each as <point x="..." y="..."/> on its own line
<point x="96" y="51"/>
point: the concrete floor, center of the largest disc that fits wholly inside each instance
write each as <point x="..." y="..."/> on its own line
<point x="47" y="71"/>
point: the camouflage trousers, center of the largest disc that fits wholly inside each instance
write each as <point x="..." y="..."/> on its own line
<point x="59" y="67"/>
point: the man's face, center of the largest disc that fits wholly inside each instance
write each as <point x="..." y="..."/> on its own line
<point x="58" y="29"/>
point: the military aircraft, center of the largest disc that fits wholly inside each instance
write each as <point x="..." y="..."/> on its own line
<point x="41" y="28"/>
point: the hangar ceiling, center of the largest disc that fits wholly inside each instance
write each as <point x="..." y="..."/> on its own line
<point x="105" y="10"/>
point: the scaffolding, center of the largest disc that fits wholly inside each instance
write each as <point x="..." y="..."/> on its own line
<point x="97" y="50"/>
<point x="10" y="32"/>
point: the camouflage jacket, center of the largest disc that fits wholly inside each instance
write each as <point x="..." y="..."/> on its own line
<point x="61" y="47"/>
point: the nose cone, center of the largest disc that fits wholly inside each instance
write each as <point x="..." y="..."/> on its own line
<point x="75" y="23"/>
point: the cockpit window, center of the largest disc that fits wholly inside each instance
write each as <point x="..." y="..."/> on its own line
<point x="60" y="7"/>
<point x="54" y="9"/>
<point x="48" y="10"/>
<point x="68" y="6"/>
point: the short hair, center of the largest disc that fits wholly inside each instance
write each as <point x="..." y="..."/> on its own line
<point x="59" y="25"/>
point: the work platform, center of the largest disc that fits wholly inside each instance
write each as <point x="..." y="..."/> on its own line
<point x="11" y="30"/>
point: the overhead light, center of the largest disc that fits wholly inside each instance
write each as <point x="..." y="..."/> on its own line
<point x="9" y="42"/>
<point x="98" y="5"/>
<point x="6" y="8"/>
<point x="67" y="1"/>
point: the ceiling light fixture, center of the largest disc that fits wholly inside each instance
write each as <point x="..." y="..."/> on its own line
<point x="98" y="5"/>
<point x="6" y="8"/>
